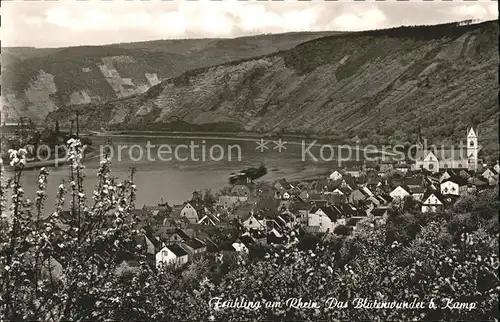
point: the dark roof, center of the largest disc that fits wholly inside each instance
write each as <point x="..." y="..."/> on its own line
<point x="185" y="233"/>
<point x="346" y="191"/>
<point x="320" y="203"/>
<point x="406" y="188"/>
<point x="436" y="193"/>
<point x="316" y="196"/>
<point x="451" y="172"/>
<point x="335" y="198"/>
<point x="194" y="243"/>
<point x="243" y="212"/>
<point x="255" y="233"/>
<point x="300" y="206"/>
<point x="348" y="210"/>
<point x="329" y="211"/>
<point x="246" y="240"/>
<point x="284" y="184"/>
<point x="479" y="182"/>
<point x="492" y="170"/>
<point x="457" y="179"/>
<point x="177" y="250"/>
<point x="379" y="212"/>
<point x="413" y="181"/>
<point x="418" y="189"/>
<point x="197" y="205"/>
<point x="353" y="221"/>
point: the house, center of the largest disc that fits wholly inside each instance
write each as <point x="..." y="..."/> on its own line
<point x="479" y="183"/>
<point x="194" y="247"/>
<point x="209" y="219"/>
<point x="143" y="242"/>
<point x="254" y="221"/>
<point x="448" y="173"/>
<point x="353" y="171"/>
<point x="356" y="196"/>
<point x="275" y="237"/>
<point x="496" y="167"/>
<point x="228" y="201"/>
<point x="171" y="255"/>
<point x="454" y="186"/>
<point x="193" y="211"/>
<point x="51" y="268"/>
<point x="241" y="190"/>
<point x="413" y="181"/>
<point x="432" y="201"/>
<point x="417" y="193"/>
<point x="366" y="191"/>
<point x="436" y="159"/>
<point x="322" y="185"/>
<point x="282" y="184"/>
<point x="127" y="267"/>
<point x="335" y="175"/>
<point x="160" y="211"/>
<point x="399" y="192"/>
<point x="374" y="201"/>
<point x="283" y="195"/>
<point x="244" y="240"/>
<point x="172" y="238"/>
<point x="323" y="217"/>
<point x="380" y="213"/>
<point x="259" y="236"/>
<point x="302" y="209"/>
<point x="286" y="219"/>
<point x="335" y="198"/>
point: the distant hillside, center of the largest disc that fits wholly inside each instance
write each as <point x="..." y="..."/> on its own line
<point x="376" y="85"/>
<point x="36" y="81"/>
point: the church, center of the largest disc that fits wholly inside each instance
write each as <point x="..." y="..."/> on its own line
<point x="434" y="160"/>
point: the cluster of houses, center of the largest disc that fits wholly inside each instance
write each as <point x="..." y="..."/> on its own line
<point x="256" y="213"/>
<point x="251" y="214"/>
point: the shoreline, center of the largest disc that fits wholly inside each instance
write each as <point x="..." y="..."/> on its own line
<point x="238" y="136"/>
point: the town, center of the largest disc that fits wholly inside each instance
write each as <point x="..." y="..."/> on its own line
<point x="248" y="214"/>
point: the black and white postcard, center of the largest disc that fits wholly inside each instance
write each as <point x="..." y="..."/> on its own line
<point x="249" y="160"/>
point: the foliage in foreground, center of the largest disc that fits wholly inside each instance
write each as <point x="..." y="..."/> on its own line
<point x="453" y="255"/>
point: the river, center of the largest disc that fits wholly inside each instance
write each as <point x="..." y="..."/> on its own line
<point x="172" y="167"/>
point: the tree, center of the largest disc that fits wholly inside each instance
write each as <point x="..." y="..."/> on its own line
<point x="209" y="198"/>
<point x="87" y="246"/>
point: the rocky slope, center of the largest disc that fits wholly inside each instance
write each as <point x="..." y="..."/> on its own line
<point x="37" y="81"/>
<point x="372" y="84"/>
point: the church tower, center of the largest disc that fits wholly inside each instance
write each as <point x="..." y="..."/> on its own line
<point x="472" y="148"/>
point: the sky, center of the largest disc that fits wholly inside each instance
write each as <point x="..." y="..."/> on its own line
<point x="96" y="22"/>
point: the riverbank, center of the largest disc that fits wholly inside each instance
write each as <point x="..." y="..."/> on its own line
<point x="237" y="136"/>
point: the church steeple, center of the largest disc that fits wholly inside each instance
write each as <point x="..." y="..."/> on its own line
<point x="420" y="145"/>
<point x="472" y="148"/>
